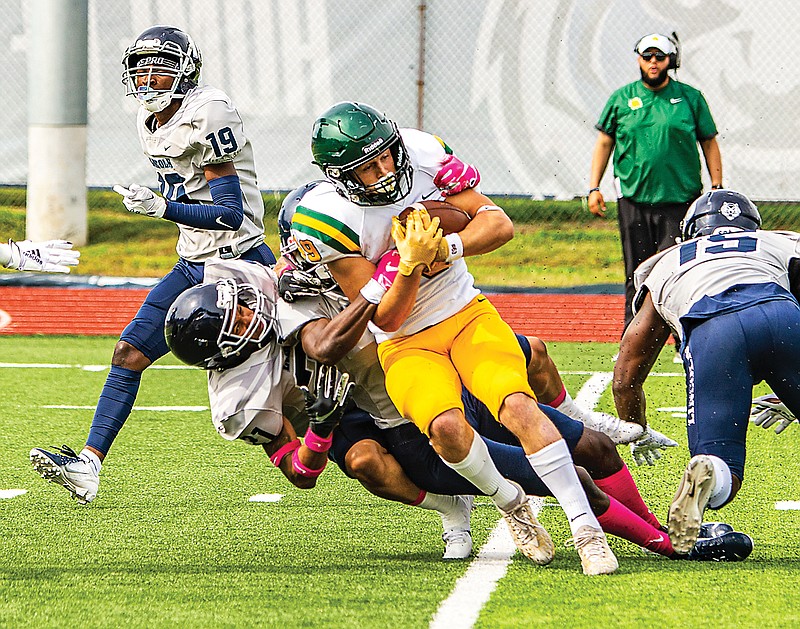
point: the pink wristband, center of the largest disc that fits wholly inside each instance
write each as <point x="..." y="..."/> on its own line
<point x="303" y="469"/>
<point x="283" y="451"/>
<point x="316" y="443"/>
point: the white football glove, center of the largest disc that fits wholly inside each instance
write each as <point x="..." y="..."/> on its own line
<point x="651" y="447"/>
<point x="50" y="256"/>
<point x="141" y="200"/>
<point x="769" y="411"/>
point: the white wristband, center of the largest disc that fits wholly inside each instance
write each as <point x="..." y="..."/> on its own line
<point x="455" y="247"/>
<point x="486" y="208"/>
<point x="372" y="291"/>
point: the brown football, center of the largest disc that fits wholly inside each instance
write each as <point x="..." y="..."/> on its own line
<point x="451" y="218"/>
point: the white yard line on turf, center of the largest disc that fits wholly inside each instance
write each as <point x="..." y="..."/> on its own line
<point x="787" y="505"/>
<point x="11" y="493"/>
<point x="84" y="367"/>
<point x="460" y="610"/>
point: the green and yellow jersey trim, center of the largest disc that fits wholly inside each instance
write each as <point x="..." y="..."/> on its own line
<point x="326" y="229"/>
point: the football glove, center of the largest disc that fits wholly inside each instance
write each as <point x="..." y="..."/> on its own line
<point x="769" y="411"/>
<point x="50" y="256"/>
<point x="141" y="200"/>
<point x="649" y="448"/>
<point x="455" y="176"/>
<point x="325" y="407"/>
<point x="296" y="284"/>
<point x="417" y="242"/>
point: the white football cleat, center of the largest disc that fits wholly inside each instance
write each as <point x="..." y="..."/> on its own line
<point x="457" y="536"/>
<point x="457" y="545"/>
<point x="689" y="503"/>
<point x="530" y="537"/>
<point x="592" y="546"/>
<point x="66" y="468"/>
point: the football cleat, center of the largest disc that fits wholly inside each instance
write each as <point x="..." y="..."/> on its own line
<point x="689" y="503"/>
<point x="592" y="546"/>
<point x="730" y="546"/>
<point x="714" y="529"/>
<point x="457" y="545"/>
<point x="530" y="537"/>
<point x="66" y="468"/>
<point x="457" y="536"/>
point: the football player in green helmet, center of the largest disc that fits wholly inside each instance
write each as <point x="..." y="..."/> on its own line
<point x="349" y="135"/>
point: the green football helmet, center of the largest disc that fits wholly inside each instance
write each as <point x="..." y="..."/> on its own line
<point x="351" y="134"/>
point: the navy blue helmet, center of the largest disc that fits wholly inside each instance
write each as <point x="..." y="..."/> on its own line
<point x="201" y="325"/>
<point x="719" y="212"/>
<point x="161" y="51"/>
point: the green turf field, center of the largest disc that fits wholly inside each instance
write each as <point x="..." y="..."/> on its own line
<point x="173" y="541"/>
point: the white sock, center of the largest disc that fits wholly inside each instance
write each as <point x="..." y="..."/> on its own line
<point x="554" y="466"/>
<point x="570" y="409"/>
<point x="479" y="469"/>
<point x="91" y="458"/>
<point x="722" y="482"/>
<point x="450" y="509"/>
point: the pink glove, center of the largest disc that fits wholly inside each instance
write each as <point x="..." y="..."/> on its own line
<point x="455" y="176"/>
<point x="388" y="266"/>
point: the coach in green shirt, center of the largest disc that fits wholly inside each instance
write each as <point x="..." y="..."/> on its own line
<point x="653" y="126"/>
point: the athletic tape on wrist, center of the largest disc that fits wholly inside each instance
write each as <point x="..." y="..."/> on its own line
<point x="283" y="451"/>
<point x="372" y="291"/>
<point x="302" y="469"/>
<point x="316" y="443"/>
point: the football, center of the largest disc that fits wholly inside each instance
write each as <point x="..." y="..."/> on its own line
<point x="451" y="218"/>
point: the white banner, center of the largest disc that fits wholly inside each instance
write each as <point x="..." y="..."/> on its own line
<point x="515" y="86"/>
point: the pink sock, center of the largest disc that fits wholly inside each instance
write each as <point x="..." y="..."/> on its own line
<point x="621" y="486"/>
<point x="622" y="522"/>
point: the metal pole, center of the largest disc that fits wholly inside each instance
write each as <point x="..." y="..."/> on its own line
<point x="57" y="116"/>
<point x="421" y="66"/>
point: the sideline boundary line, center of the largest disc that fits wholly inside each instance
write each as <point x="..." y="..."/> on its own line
<point x="460" y="610"/>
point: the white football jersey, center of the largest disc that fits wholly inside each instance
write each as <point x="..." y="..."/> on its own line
<point x="361" y="362"/>
<point x="250" y="400"/>
<point x="691" y="280"/>
<point x="329" y="227"/>
<point x="207" y="129"/>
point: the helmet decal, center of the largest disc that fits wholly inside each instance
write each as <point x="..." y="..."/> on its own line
<point x="730" y="210"/>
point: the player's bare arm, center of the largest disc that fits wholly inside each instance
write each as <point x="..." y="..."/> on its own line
<point x="488" y="230"/>
<point x="638" y="352"/>
<point x="281" y="451"/>
<point x="328" y="340"/>
<point x="354" y="272"/>
<point x="215" y="171"/>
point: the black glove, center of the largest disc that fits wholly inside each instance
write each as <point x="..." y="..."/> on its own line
<point x="296" y="284"/>
<point x="327" y="404"/>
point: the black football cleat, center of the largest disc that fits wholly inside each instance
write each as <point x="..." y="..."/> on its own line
<point x="714" y="529"/>
<point x="731" y="546"/>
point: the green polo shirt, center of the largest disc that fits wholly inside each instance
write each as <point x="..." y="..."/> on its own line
<point x="656" y="156"/>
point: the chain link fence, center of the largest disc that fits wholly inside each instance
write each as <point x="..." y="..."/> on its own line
<point x="515" y="86"/>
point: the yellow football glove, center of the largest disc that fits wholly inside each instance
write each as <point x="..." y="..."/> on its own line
<point x="417" y="242"/>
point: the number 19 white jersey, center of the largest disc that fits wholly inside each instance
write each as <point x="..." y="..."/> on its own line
<point x="207" y="129"/>
<point x="714" y="275"/>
